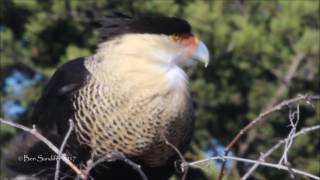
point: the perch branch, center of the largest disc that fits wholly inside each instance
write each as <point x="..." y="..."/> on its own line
<point x="90" y="165"/>
<point x="181" y="167"/>
<point x="113" y="157"/>
<point x="34" y="132"/>
<point x="56" y="174"/>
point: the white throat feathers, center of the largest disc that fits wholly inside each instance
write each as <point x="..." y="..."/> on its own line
<point x="145" y="60"/>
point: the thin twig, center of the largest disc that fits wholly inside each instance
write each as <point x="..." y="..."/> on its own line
<point x="277" y="166"/>
<point x="285" y="83"/>
<point x="261" y="117"/>
<point x="91" y="164"/>
<point x="275" y="147"/>
<point x="294" y="118"/>
<point x="134" y="165"/>
<point x="66" y="137"/>
<point x="113" y="157"/>
<point x="182" y="166"/>
<point x="34" y="132"/>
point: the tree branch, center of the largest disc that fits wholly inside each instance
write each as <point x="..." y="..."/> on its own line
<point x="56" y="175"/>
<point x="260" y="118"/>
<point x="90" y="165"/>
<point x="113" y="157"/>
<point x="277" y="166"/>
<point x="280" y="92"/>
<point x="34" y="132"/>
<point x="275" y="147"/>
<point x="182" y="168"/>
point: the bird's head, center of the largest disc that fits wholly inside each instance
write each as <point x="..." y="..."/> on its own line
<point x="161" y="40"/>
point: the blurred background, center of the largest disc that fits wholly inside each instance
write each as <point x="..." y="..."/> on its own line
<point x="262" y="52"/>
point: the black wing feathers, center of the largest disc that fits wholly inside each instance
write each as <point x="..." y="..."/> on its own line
<point x="50" y="115"/>
<point x="54" y="107"/>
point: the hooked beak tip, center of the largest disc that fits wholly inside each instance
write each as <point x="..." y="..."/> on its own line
<point x="201" y="53"/>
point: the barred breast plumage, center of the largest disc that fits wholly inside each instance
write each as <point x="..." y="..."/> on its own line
<point x="109" y="119"/>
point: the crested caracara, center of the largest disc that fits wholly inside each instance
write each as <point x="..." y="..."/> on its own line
<point x="123" y="99"/>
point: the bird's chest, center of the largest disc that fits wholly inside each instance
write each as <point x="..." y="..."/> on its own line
<point x="108" y="120"/>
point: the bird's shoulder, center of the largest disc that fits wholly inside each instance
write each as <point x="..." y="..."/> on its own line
<point x="69" y="77"/>
<point x="55" y="103"/>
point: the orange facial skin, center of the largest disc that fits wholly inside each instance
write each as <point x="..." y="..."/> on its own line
<point x="187" y="40"/>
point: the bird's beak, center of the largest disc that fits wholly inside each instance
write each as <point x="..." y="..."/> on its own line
<point x="201" y="53"/>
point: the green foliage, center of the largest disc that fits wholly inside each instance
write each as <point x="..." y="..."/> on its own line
<point x="252" y="46"/>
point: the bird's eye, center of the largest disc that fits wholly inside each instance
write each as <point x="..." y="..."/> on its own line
<point x="176" y="37"/>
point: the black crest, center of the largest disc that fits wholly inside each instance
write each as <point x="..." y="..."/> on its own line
<point x="119" y="24"/>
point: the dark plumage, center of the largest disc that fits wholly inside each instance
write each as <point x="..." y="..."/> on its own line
<point x="57" y="96"/>
<point x="50" y="115"/>
<point x="118" y="24"/>
<point x="121" y="99"/>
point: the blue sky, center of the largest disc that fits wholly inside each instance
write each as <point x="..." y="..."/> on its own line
<point x="15" y="84"/>
<point x="214" y="148"/>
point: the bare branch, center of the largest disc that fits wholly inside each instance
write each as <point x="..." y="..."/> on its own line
<point x="260" y="118"/>
<point x="113" y="157"/>
<point x="135" y="166"/>
<point x="289" y="141"/>
<point x="277" y="166"/>
<point x="182" y="166"/>
<point x="90" y="165"/>
<point x="66" y="137"/>
<point x="275" y="147"/>
<point x="34" y="132"/>
<point x="280" y="92"/>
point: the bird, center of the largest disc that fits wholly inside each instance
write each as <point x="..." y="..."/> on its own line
<point x="124" y="98"/>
